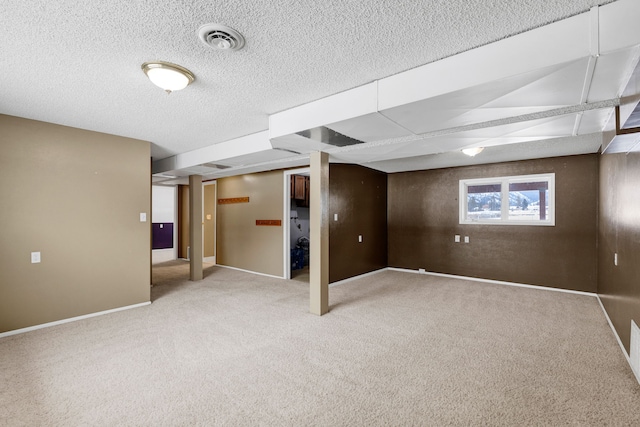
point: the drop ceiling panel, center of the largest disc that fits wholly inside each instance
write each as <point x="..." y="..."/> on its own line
<point x="594" y="120"/>
<point x="370" y="127"/>
<point x="553" y="44"/>
<point x="619" y="27"/>
<point x="584" y="144"/>
<point x="535" y="91"/>
<point x="608" y="80"/>
<point x="514" y="133"/>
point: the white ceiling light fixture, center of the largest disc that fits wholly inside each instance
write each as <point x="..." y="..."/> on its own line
<point x="472" y="151"/>
<point x="170" y="77"/>
<point x="220" y="37"/>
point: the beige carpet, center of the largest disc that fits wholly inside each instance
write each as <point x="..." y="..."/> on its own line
<point x="396" y="349"/>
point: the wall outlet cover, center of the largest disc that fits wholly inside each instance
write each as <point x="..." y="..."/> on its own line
<point x="456" y="238"/>
<point x="35" y="257"/>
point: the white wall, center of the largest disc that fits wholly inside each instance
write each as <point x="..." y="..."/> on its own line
<point x="163" y="201"/>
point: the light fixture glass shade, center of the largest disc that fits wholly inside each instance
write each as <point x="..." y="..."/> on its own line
<point x="167" y="76"/>
<point x="472" y="151"/>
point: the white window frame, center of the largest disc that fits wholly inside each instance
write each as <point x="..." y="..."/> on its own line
<point x="504" y="182"/>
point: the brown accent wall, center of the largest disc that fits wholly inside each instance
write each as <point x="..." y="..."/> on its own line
<point x="240" y="242"/>
<point x="183" y="221"/>
<point x="423" y="219"/>
<point x="76" y="197"/>
<point x="619" y="232"/>
<point x="359" y="196"/>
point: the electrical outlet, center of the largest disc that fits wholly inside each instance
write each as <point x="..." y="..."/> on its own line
<point x="35" y="257"/>
<point x="421" y="270"/>
<point x="143" y="217"/>
<point x="466" y="239"/>
<point x="456" y="238"/>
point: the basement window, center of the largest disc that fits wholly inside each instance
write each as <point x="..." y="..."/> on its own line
<point x="509" y="200"/>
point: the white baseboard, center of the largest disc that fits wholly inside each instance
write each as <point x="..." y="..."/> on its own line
<point x="615" y="333"/>
<point x="496" y="282"/>
<point x="249" y="271"/>
<point x="71" y="319"/>
<point x="349" y="279"/>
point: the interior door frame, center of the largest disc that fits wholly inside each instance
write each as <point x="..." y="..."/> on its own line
<point x="211" y="259"/>
<point x="286" y="223"/>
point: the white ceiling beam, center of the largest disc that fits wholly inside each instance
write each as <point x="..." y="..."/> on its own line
<point x="335" y="108"/>
<point x="215" y="153"/>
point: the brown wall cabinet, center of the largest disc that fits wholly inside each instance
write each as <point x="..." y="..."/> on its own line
<point x="300" y="189"/>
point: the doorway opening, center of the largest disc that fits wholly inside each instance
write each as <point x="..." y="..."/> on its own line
<point x="296" y="228"/>
<point x="209" y="205"/>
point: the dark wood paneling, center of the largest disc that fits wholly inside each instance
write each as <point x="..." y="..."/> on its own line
<point x="359" y="196"/>
<point x="423" y="219"/>
<point x="619" y="232"/>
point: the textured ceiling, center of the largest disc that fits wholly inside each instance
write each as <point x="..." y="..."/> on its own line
<point x="78" y="63"/>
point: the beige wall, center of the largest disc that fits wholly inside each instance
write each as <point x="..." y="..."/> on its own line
<point x="76" y="197"/>
<point x="240" y="243"/>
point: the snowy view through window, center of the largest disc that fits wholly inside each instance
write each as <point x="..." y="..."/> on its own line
<point x="523" y="205"/>
<point x="524" y="200"/>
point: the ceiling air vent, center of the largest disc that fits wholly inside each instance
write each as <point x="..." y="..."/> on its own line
<point x="220" y="37"/>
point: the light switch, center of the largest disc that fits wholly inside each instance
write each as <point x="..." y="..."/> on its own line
<point x="209" y="217"/>
<point x="35" y="257"/>
<point x="615" y="258"/>
<point x="456" y="238"/>
<point x="335" y="217"/>
<point x="360" y="238"/>
<point x="143" y="217"/>
<point x="466" y="239"/>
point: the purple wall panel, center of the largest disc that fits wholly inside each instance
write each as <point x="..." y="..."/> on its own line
<point x="162" y="233"/>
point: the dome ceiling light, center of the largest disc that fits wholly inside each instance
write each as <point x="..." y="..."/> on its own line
<point x="170" y="77"/>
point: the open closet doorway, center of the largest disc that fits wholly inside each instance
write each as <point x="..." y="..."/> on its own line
<point x="297" y="226"/>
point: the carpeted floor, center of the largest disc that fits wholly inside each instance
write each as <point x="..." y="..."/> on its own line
<point x="395" y="349"/>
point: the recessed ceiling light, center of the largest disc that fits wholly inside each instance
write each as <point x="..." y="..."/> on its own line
<point x="168" y="76"/>
<point x="472" y="151"/>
